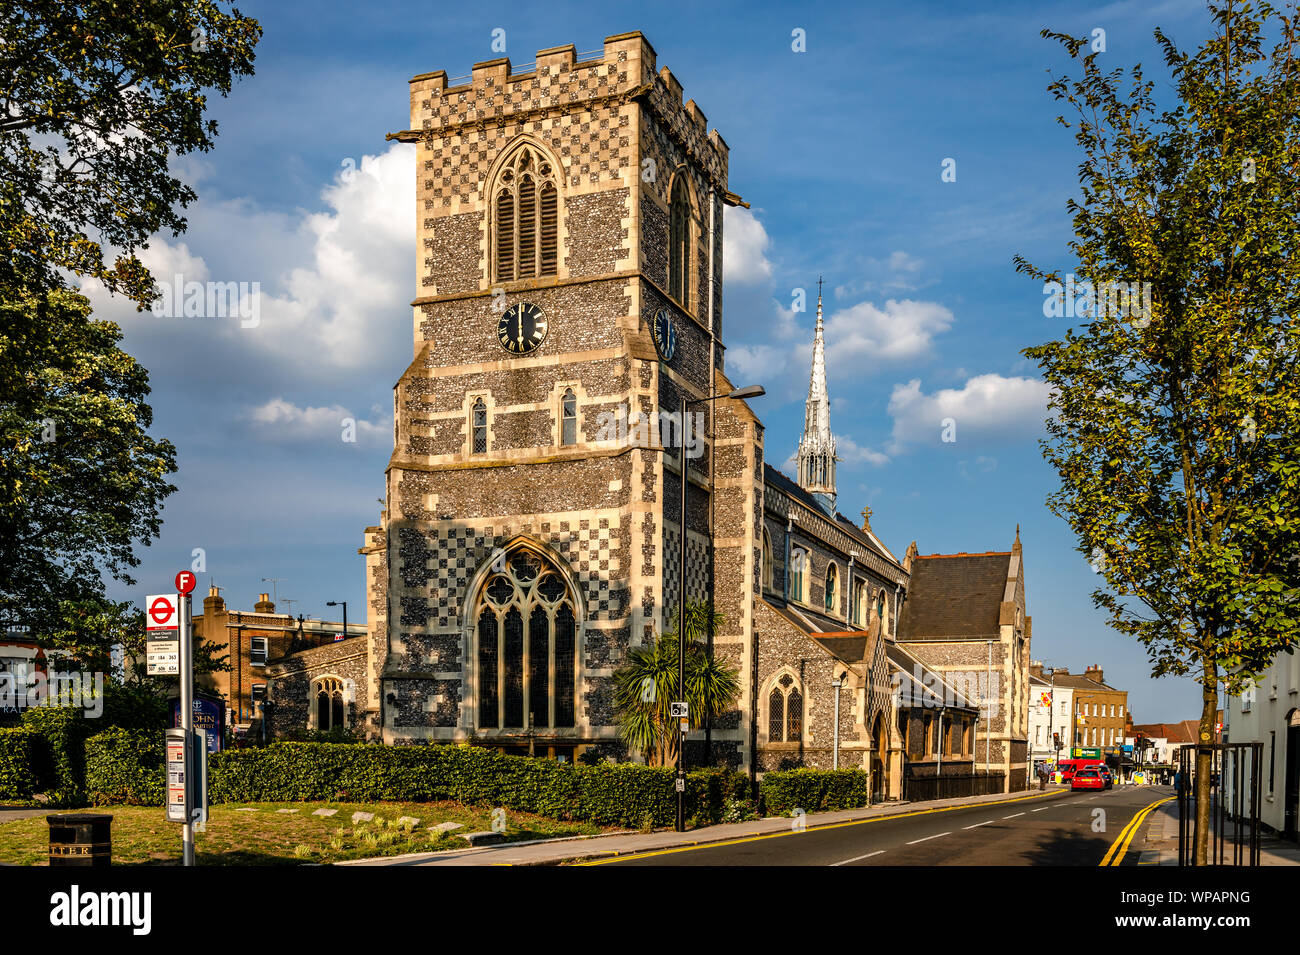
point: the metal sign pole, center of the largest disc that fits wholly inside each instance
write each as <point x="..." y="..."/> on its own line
<point x="187" y="721"/>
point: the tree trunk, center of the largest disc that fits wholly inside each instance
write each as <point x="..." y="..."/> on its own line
<point x="1205" y="759"/>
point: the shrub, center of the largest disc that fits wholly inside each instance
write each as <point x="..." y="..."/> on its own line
<point x="18" y="755"/>
<point x="61" y="756"/>
<point x="125" y="767"/>
<point x="812" y="790"/>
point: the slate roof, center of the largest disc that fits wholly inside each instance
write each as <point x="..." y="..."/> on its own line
<point x="791" y="489"/>
<point x="954" y="596"/>
<point x="848" y="646"/>
<point x="1078" y="681"/>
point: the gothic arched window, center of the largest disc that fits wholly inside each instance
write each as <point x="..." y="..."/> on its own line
<point x="569" y="417"/>
<point x="767" y="560"/>
<point x="525" y="211"/>
<point x="798" y="562"/>
<point x="679" y="240"/>
<point x="859" y="602"/>
<point x="830" y="588"/>
<point x="328" y="706"/>
<point x="478" y="426"/>
<point x="526" y="643"/>
<point x="785" y="712"/>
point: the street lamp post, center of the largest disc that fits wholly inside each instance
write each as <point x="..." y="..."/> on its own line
<point x="335" y="603"/>
<point x="751" y="391"/>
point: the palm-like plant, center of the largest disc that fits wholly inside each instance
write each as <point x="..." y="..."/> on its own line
<point x="647" y="684"/>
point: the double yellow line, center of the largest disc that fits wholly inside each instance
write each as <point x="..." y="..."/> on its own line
<point x="1115" y="854"/>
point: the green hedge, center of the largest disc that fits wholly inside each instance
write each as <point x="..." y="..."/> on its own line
<point x="61" y="754"/>
<point x="812" y="790"/>
<point x="18" y="757"/>
<point x="125" y="767"/>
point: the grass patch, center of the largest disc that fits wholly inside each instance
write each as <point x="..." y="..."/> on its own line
<point x="142" y="836"/>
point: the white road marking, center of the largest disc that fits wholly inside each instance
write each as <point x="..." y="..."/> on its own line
<point x="859" y="858"/>
<point x="1041" y="809"/>
<point x="1013" y="815"/>
<point x="988" y="822"/>
<point x="928" y="838"/>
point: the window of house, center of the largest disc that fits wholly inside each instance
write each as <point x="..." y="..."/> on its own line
<point x="478" y="426"/>
<point x="1272" y="758"/>
<point x="569" y="418"/>
<point x="526" y="647"/>
<point x="830" y="588"/>
<point x="785" y="712"/>
<point x="525" y="210"/>
<point x="257" y="651"/>
<point x="679" y="241"/>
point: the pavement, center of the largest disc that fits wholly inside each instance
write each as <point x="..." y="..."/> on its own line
<point x="11" y="813"/>
<point x="618" y="845"/>
<point x="1161" y="846"/>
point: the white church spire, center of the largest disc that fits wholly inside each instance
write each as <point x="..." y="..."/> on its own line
<point x="817" y="445"/>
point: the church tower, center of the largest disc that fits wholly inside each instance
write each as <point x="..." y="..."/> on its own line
<point x="568" y="295"/>
<point x="817" y="445"/>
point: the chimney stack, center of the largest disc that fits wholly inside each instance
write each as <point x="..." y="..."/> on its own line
<point x="264" y="604"/>
<point x="1094" y="673"/>
<point x="1036" y="668"/>
<point x="214" y="602"/>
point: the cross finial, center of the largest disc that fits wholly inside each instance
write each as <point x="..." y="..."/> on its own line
<point x="866" y="518"/>
<point x="819" y="288"/>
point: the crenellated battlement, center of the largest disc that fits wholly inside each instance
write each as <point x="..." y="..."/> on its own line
<point x="559" y="78"/>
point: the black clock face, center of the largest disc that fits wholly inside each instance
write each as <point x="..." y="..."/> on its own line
<point x="665" y="334"/>
<point x="522" y="328"/>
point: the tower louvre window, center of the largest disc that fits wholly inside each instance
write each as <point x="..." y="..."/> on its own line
<point x="526" y="209"/>
<point x="679" y="241"/>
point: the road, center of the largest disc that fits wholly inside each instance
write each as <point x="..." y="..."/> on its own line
<point x="1071" y="829"/>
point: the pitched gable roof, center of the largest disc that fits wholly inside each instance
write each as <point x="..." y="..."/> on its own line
<point x="957" y="595"/>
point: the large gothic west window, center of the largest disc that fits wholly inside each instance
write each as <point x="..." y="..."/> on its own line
<point x="525" y="217"/>
<point x="526" y="647"/>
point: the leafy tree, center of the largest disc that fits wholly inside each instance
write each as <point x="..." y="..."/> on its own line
<point x="80" y="478"/>
<point x="1174" y="423"/>
<point x="96" y="96"/>
<point x="647" y="684"/>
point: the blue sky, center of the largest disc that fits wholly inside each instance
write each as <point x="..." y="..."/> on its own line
<point x="839" y="151"/>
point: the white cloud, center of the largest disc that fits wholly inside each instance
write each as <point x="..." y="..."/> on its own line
<point x="334" y="285"/>
<point x="850" y="452"/>
<point x="280" y="421"/>
<point x="901" y="330"/>
<point x="744" y="247"/>
<point x="987" y="406"/>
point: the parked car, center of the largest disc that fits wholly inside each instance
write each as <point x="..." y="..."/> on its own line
<point x="1088" y="778"/>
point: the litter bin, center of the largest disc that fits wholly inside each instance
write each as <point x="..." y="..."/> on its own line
<point x="81" y="839"/>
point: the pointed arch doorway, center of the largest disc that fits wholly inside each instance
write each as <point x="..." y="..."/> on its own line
<point x="879" y="759"/>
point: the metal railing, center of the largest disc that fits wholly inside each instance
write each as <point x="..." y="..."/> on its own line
<point x="925" y="788"/>
<point x="1240" y="847"/>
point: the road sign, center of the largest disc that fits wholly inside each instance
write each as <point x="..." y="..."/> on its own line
<point x="162" y="632"/>
<point x="185" y="581"/>
<point x="162" y="612"/>
<point x="678" y="709"/>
